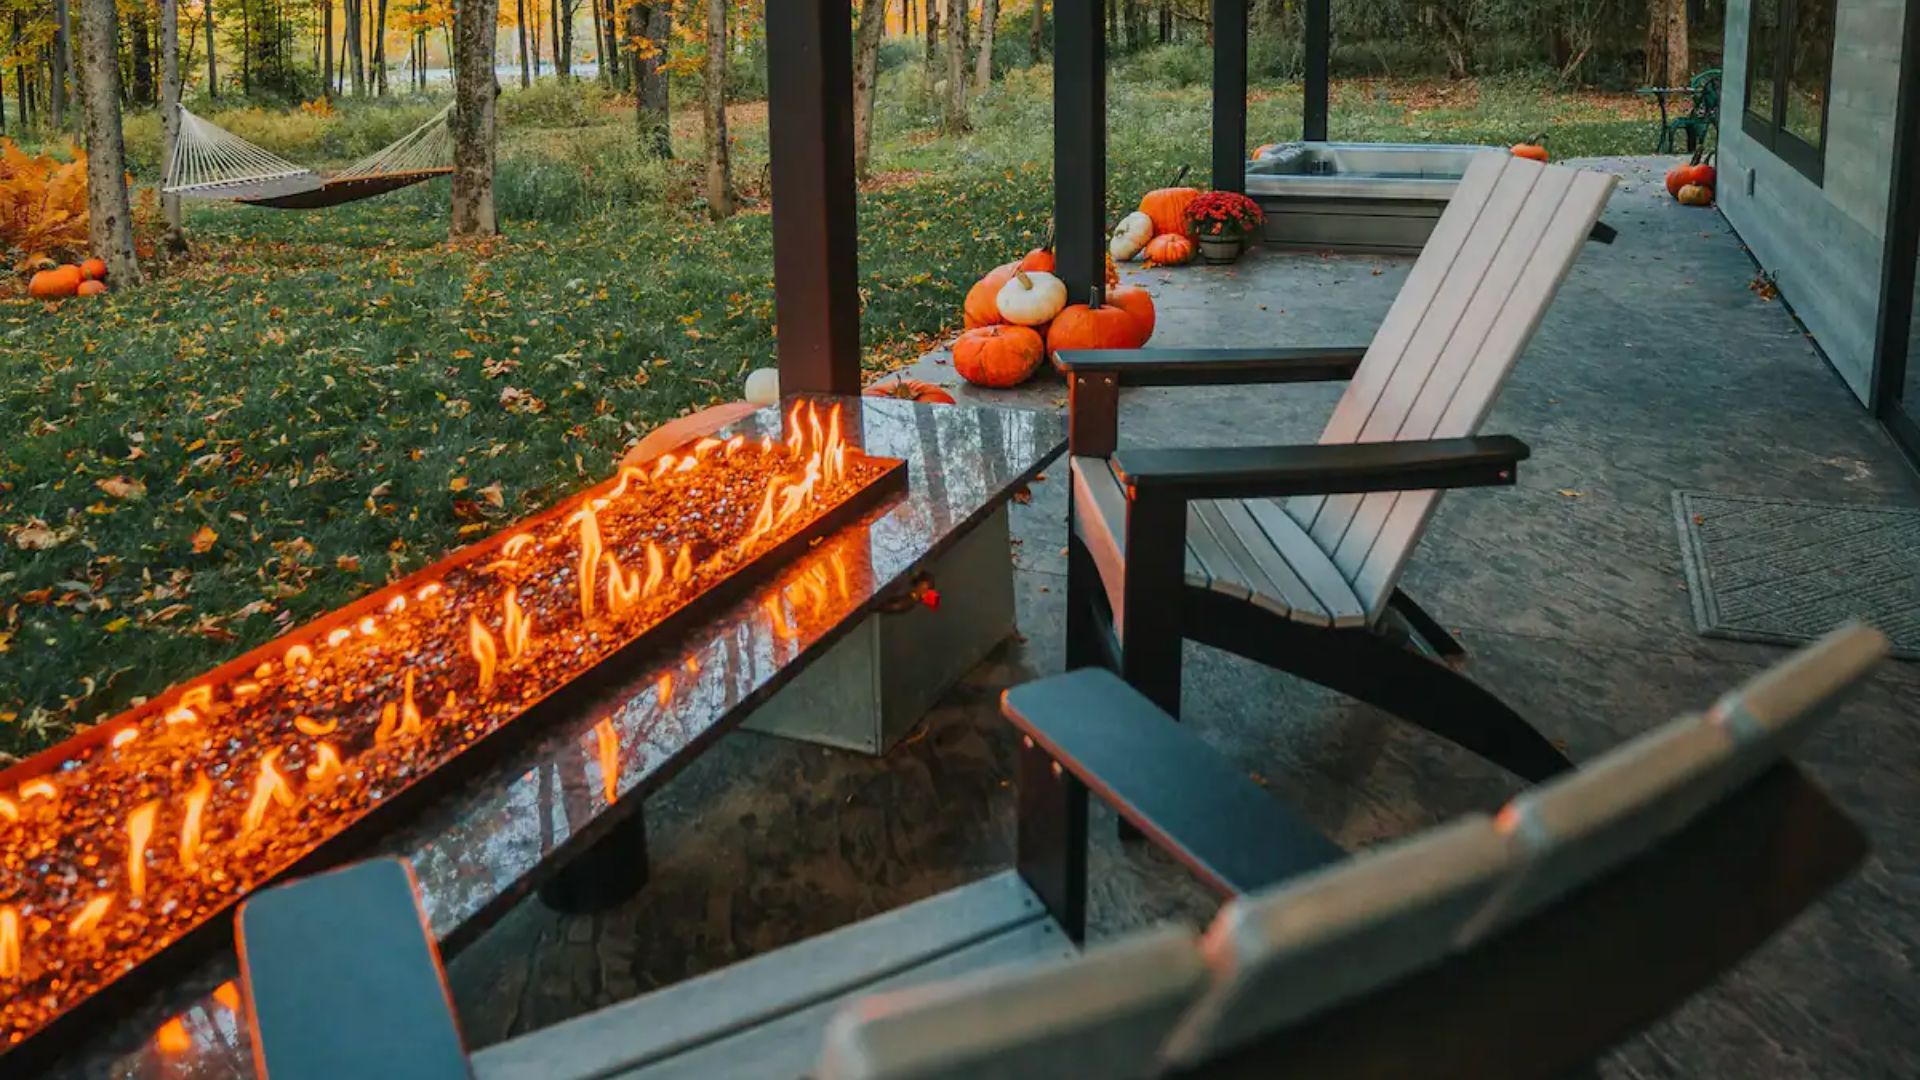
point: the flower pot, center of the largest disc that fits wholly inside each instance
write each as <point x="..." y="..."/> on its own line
<point x="1220" y="250"/>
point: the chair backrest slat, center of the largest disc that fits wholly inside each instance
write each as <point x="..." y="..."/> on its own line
<point x="1105" y="1014"/>
<point x="1467" y="310"/>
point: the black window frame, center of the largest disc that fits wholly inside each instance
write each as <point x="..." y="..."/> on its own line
<point x="1771" y="132"/>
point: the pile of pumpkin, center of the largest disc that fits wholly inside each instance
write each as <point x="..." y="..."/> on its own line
<point x="87" y="278"/>
<point x="1691" y="182"/>
<point x="1018" y="315"/>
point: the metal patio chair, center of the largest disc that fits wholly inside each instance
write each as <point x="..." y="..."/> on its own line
<point x="1291" y="555"/>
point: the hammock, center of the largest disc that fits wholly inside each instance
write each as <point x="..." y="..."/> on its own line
<point x="210" y="163"/>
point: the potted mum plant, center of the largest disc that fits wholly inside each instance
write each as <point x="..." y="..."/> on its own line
<point x="1221" y="221"/>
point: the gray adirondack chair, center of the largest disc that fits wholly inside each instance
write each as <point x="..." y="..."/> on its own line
<point x="1292" y="556"/>
<point x="1519" y="943"/>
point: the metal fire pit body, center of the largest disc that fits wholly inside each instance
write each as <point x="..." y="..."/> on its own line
<point x="129" y="844"/>
<point x="1357" y="197"/>
<point x="547" y="791"/>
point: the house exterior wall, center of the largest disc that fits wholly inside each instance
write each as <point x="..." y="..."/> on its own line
<point x="1822" y="242"/>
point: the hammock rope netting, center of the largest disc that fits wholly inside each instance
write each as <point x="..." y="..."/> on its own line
<point x="212" y="163"/>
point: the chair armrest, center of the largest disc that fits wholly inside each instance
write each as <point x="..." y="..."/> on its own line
<point x="1203" y="367"/>
<point x="1244" y="472"/>
<point x="1158" y="775"/>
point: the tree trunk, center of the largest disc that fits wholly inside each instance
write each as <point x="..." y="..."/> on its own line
<point x="380" y="45"/>
<point x="213" y="74"/>
<point x="170" y="116"/>
<point x="62" y="63"/>
<point x="474" y="90"/>
<point x="933" y="29"/>
<point x="141" y="48"/>
<point x="19" y="74"/>
<point x="1679" y="56"/>
<point x="109" y="211"/>
<point x="719" y="177"/>
<point x="326" y="48"/>
<point x="983" y="64"/>
<point x="866" y="67"/>
<point x="350" y="47"/>
<point x="1036" y="31"/>
<point x="562" y="41"/>
<point x="520" y="18"/>
<point x="953" y="117"/>
<point x="650" y="27"/>
<point x="1130" y="15"/>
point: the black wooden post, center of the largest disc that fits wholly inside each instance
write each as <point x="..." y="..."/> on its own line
<point x="1319" y="49"/>
<point x="1230" y="95"/>
<point x="1079" y="146"/>
<point x="816" y="294"/>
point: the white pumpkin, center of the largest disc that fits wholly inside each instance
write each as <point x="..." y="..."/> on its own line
<point x="763" y="386"/>
<point x="1122" y="248"/>
<point x="1136" y="227"/>
<point x="1032" y="298"/>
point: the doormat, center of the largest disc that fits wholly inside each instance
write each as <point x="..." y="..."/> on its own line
<point x="1786" y="572"/>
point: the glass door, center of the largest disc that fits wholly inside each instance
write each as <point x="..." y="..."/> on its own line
<point x="1897" y="356"/>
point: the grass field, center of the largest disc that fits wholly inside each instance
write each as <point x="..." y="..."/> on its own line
<point x="314" y="403"/>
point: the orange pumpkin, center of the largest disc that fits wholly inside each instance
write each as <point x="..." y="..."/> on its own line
<point x="1689" y="173"/>
<point x="1263" y="148"/>
<point x="1173" y="249"/>
<point x="1082" y="326"/>
<point x="1113" y="272"/>
<point x="1532" y="151"/>
<point x="94" y="269"/>
<point x="94" y="287"/>
<point x="1168" y="208"/>
<point x="54" y="284"/>
<point x="1696" y="195"/>
<point x="981" y="308"/>
<point x="1038" y="259"/>
<point x="910" y="390"/>
<point x="998" y="355"/>
<point x="1136" y="302"/>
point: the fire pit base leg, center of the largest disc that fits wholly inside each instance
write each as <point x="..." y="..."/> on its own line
<point x="606" y="874"/>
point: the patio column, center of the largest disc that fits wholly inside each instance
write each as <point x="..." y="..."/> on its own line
<point x="1080" y="145"/>
<point x="1319" y="49"/>
<point x="816" y="296"/>
<point x="1230" y="95"/>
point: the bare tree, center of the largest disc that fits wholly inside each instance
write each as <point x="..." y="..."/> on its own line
<point x="866" y="67"/>
<point x="326" y="49"/>
<point x="1669" y="61"/>
<point x="213" y="74"/>
<point x="62" y="61"/>
<point x="983" y="63"/>
<point x="474" y="90"/>
<point x="520" y="20"/>
<point x="380" y="45"/>
<point x="719" y="170"/>
<point x="650" y="28"/>
<point x="933" y="29"/>
<point x="170" y="116"/>
<point x="109" y="211"/>
<point x="954" y="115"/>
<point x="1036" y="30"/>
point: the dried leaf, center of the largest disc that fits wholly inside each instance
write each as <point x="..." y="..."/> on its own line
<point x="121" y="487"/>
<point x="203" y="539"/>
<point x="458" y="483"/>
<point x="493" y="496"/>
<point x="347" y="564"/>
<point x="36" y="536"/>
<point x="1570" y="493"/>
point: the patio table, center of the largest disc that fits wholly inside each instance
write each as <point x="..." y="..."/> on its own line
<point x="545" y="799"/>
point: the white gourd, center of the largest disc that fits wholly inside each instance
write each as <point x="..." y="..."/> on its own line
<point x="763" y="386"/>
<point x="1032" y="298"/>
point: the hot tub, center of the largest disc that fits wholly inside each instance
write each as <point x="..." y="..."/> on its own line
<point x="1362" y="197"/>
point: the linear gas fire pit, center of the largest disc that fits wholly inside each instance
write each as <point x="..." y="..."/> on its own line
<point x="129" y="841"/>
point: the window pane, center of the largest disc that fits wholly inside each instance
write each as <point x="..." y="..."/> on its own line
<point x="1763" y="43"/>
<point x="1810" y="69"/>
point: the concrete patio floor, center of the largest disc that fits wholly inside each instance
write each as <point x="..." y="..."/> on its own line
<point x="1658" y="368"/>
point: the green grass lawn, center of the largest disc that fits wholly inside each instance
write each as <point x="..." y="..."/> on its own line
<point x="315" y="403"/>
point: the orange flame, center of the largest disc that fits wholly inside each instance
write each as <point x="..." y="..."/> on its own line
<point x="683" y="564"/>
<point x="623" y="587"/>
<point x="839" y="564"/>
<point x="516" y="544"/>
<point x="656" y="569"/>
<point x="299" y="654"/>
<point x="139" y="831"/>
<point x="190" y="825"/>
<point x="325" y="764"/>
<point x="9" y="809"/>
<point x="191" y="705"/>
<point x="608" y="741"/>
<point x="89" y="918"/>
<point x="397" y="605"/>
<point x="402" y="719"/>
<point x="777" y="618"/>
<point x="307" y="725"/>
<point x="734" y="444"/>
<point x="427" y="591"/>
<point x="172" y="1038"/>
<point x="38" y="788"/>
<point x="9" y="943"/>
<point x="368" y="627"/>
<point x="663" y="690"/>
<point x="269" y="787"/>
<point x="484" y="652"/>
<point x="517" y="627"/>
<point x="228" y="994"/>
<point x="123" y="737"/>
<point x="590" y="549"/>
<point x="335" y="637"/>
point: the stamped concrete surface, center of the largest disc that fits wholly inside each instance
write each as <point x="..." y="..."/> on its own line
<point x="1657" y="369"/>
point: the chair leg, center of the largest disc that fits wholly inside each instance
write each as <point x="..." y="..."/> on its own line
<point x="1360" y="664"/>
<point x="1428" y="627"/>
<point x="1083" y="609"/>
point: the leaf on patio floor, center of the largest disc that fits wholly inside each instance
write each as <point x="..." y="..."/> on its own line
<point x="203" y="540"/>
<point x="1570" y="493"/>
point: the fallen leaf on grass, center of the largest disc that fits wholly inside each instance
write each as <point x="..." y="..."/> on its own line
<point x="349" y="564"/>
<point x="203" y="540"/>
<point x="458" y="483"/>
<point x="121" y="487"/>
<point x="36" y="536"/>
<point x="493" y="496"/>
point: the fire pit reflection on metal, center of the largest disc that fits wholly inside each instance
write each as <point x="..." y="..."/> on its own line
<point x="119" y="843"/>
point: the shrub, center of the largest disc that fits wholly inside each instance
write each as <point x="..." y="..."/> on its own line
<point x="43" y="203"/>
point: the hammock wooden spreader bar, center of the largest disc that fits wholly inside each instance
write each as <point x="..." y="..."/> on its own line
<point x="211" y="163"/>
